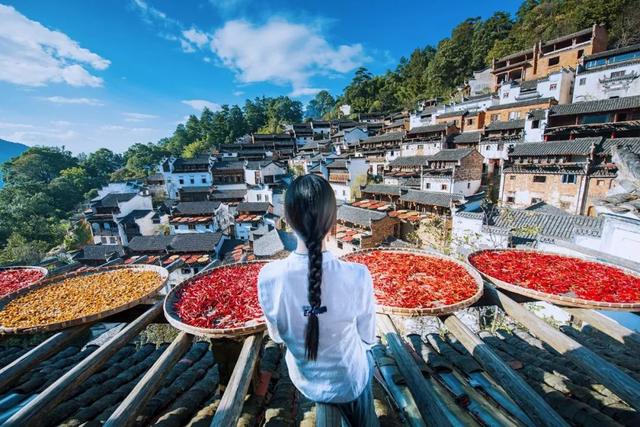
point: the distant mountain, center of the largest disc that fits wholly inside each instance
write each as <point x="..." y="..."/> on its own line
<point x="9" y="150"/>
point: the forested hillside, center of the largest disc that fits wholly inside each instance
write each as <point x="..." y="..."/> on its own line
<point x="8" y="150"/>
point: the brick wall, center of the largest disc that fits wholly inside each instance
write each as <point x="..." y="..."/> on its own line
<point x="553" y="191"/>
<point x="470" y="168"/>
<point x="597" y="188"/>
<point x="380" y="230"/>
<point x="503" y="114"/>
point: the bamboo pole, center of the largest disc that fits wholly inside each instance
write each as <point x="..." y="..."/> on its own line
<point x="32" y="413"/>
<point x="621" y="384"/>
<point x="38" y="354"/>
<point x="606" y="325"/>
<point x="126" y="413"/>
<point x="234" y="394"/>
<point x="427" y="399"/>
<point x="535" y="406"/>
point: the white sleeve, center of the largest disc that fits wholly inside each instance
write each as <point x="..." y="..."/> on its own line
<point x="266" y="302"/>
<point x="366" y="319"/>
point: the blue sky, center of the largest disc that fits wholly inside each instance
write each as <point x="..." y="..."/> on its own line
<point x="90" y="73"/>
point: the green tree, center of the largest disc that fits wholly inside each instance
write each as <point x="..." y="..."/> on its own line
<point x="320" y="105"/>
<point x="19" y="250"/>
<point x="37" y="164"/>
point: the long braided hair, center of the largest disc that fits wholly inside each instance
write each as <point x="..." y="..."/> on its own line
<point x="310" y="209"/>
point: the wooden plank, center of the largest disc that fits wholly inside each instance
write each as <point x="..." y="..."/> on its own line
<point x="327" y="416"/>
<point x="621" y="384"/>
<point x="606" y="325"/>
<point x="126" y="413"/>
<point x="427" y="399"/>
<point x="233" y="397"/>
<point x="32" y="413"/>
<point x="533" y="404"/>
<point x="38" y="354"/>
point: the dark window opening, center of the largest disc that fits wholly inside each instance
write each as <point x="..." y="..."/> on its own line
<point x="554" y="61"/>
<point x="535" y="124"/>
<point x="539" y="178"/>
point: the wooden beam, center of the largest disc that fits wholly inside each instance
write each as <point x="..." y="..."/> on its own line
<point x="533" y="404"/>
<point x="234" y="394"/>
<point x="427" y="399"/>
<point x="606" y="325"/>
<point x="38" y="354"/>
<point x="609" y="375"/>
<point x="126" y="413"/>
<point x="32" y="413"/>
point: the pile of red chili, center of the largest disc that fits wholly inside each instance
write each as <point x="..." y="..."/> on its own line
<point x="409" y="280"/>
<point x="226" y="297"/>
<point x="14" y="279"/>
<point x="559" y="275"/>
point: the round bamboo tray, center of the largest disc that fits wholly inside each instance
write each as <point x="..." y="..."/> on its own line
<point x="164" y="275"/>
<point x="559" y="299"/>
<point x="431" y="311"/>
<point x="26" y="267"/>
<point x="251" y="327"/>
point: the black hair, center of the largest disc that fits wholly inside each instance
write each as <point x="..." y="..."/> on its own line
<point x="310" y="209"/>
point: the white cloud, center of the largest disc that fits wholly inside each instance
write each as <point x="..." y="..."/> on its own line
<point x="282" y="52"/>
<point x="36" y="136"/>
<point x="193" y="38"/>
<point x="33" y="55"/>
<point x="302" y="91"/>
<point x="206" y="59"/>
<point x="111" y="128"/>
<point x="238" y="93"/>
<point x="65" y="100"/>
<point x="138" y="117"/>
<point x="199" y="104"/>
<point x="61" y="123"/>
<point x="152" y="15"/>
<point x="9" y="125"/>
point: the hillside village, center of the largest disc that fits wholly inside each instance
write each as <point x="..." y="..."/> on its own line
<point x="540" y="150"/>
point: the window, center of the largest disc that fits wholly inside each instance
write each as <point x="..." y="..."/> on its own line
<point x="259" y="197"/>
<point x="514" y="115"/>
<point x="512" y="177"/>
<point x="539" y="178"/>
<point x="185" y="270"/>
<point x="565" y="205"/>
<point x="468" y="185"/>
<point x="469" y="121"/>
<point x="511" y="199"/>
<point x="192" y="226"/>
<point x="181" y="181"/>
<point x="494" y="117"/>
<point x="615" y="74"/>
<point x="175" y="226"/>
<point x="419" y="148"/>
<point x="535" y="124"/>
<point x="600" y="182"/>
<point x="344" y="192"/>
<point x="443" y="186"/>
<point x="535" y="200"/>
<point x="192" y="180"/>
<point x="554" y="61"/>
<point x="553" y="86"/>
<point x="580" y="53"/>
<point x="340" y="245"/>
<point x="104" y="239"/>
<point x="427" y="185"/>
<point x="582" y="81"/>
<point x="203" y="179"/>
<point x="505" y="95"/>
<point x="106" y="226"/>
<point x="114" y="240"/>
<point x="568" y="179"/>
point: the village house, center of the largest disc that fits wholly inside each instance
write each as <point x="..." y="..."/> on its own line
<point x="348" y="138"/>
<point x="248" y="151"/>
<point x="340" y="124"/>
<point x="611" y="118"/>
<point x="116" y="217"/>
<point x="455" y="171"/>
<point x="229" y="197"/>
<point x="557" y="85"/>
<point x="380" y="149"/>
<point x="182" y="173"/>
<point x="546" y="57"/>
<point x="96" y="255"/>
<point x="406" y="171"/>
<point x="200" y="217"/>
<point x="534" y="125"/>
<point x="301" y="132"/>
<point x="263" y="172"/>
<point x="481" y="82"/>
<point x="553" y="172"/>
<point x="250" y="216"/>
<point x="316" y="146"/>
<point x="344" y="174"/>
<point x="398" y="125"/>
<point x="455" y="118"/>
<point x="259" y="193"/>
<point x="228" y="175"/>
<point x="359" y="228"/>
<point x="156" y="185"/>
<point x="517" y="110"/>
<point x="410" y="199"/>
<point x="610" y="74"/>
<point x="321" y="128"/>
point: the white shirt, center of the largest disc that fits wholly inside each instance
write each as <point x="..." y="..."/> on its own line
<point x="347" y="329"/>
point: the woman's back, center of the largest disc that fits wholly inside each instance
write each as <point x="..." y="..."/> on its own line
<point x="346" y="330"/>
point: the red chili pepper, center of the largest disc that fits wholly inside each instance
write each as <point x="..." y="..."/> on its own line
<point x="416" y="281"/>
<point x="15" y="279"/>
<point x="560" y="275"/>
<point x="227" y="297"/>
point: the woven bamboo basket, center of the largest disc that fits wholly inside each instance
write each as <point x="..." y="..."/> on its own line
<point x="561" y="300"/>
<point x="252" y="327"/>
<point x="428" y="311"/>
<point x="43" y="270"/>
<point x="164" y="275"/>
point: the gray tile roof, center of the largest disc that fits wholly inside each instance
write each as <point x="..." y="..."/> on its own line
<point x="538" y="114"/>
<point x="188" y="242"/>
<point x="455" y="113"/>
<point x="393" y="190"/>
<point x="197" y="189"/>
<point x="521" y="103"/>
<point x="531" y="224"/>
<point x="602" y="105"/>
<point x="633" y="144"/>
<point x="196" y="208"/>
<point x="227" y="165"/>
<point x="409" y="161"/>
<point x="506" y="125"/>
<point x="337" y="164"/>
<point x="228" y="194"/>
<point x="149" y="243"/>
<point x="432" y="198"/>
<point x="131" y="217"/>
<point x="101" y="252"/>
<point x="441" y="127"/>
<point x="543" y="207"/>
<point x="578" y="146"/>
<point x="385" y="137"/>
<point x="451" y="154"/>
<point x="359" y="216"/>
<point x="257" y="164"/>
<point x="468" y="137"/>
<point x="112" y="200"/>
<point x="550" y="169"/>
<point x="268" y="245"/>
<point x="253" y="206"/>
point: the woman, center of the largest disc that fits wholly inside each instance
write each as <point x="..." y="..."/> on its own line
<point x="322" y="308"/>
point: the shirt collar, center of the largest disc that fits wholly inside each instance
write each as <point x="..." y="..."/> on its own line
<point x="326" y="256"/>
